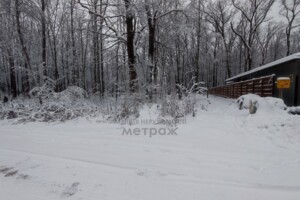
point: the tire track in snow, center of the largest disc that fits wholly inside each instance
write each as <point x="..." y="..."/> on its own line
<point x="72" y="159"/>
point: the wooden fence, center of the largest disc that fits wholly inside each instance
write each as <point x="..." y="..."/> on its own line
<point x="261" y="86"/>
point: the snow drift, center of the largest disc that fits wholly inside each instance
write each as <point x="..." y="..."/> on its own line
<point x="264" y="104"/>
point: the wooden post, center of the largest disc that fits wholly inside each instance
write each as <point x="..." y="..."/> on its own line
<point x="281" y="93"/>
<point x="241" y="89"/>
<point x="261" y="87"/>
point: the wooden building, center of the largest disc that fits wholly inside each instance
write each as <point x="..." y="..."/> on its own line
<point x="285" y="67"/>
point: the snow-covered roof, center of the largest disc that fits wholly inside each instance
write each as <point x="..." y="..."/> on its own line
<point x="272" y="64"/>
<point x="283" y="79"/>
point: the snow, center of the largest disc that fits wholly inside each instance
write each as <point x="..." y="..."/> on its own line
<point x="283" y="79"/>
<point x="222" y="153"/>
<point x="272" y="64"/>
<point x="294" y="110"/>
<point x="265" y="104"/>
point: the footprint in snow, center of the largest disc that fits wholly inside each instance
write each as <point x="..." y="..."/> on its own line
<point x="5" y="169"/>
<point x="11" y="173"/>
<point x="140" y="173"/>
<point x="23" y="177"/>
<point x="70" y="191"/>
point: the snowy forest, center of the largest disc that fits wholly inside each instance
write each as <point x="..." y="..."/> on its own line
<point x="151" y="47"/>
<point x="145" y="100"/>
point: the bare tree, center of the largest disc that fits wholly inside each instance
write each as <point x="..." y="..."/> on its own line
<point x="130" y="31"/>
<point x="111" y="47"/>
<point x="264" y="40"/>
<point x="290" y="11"/>
<point x="23" y="46"/>
<point x="7" y="46"/>
<point x="44" y="38"/>
<point x="151" y="20"/>
<point x="155" y="10"/>
<point x="199" y="21"/>
<point x="254" y="13"/>
<point x="219" y="15"/>
<point x="53" y="30"/>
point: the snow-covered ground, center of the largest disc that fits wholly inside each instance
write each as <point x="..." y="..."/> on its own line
<point x="222" y="153"/>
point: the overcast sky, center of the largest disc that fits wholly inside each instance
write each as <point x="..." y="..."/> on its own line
<point x="275" y="12"/>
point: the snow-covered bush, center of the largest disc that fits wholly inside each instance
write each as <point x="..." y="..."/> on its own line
<point x="43" y="91"/>
<point x="170" y="107"/>
<point x="262" y="103"/>
<point x="45" y="105"/>
<point x="40" y="91"/>
<point x="125" y="107"/>
<point x="73" y="93"/>
<point x="186" y="104"/>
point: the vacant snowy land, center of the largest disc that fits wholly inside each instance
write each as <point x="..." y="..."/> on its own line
<point x="221" y="153"/>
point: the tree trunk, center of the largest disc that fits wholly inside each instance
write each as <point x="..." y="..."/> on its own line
<point x="13" y="85"/>
<point x="249" y="60"/>
<point x="44" y="40"/>
<point x="130" y="46"/>
<point x="11" y="61"/>
<point x="96" y="48"/>
<point x="197" y="60"/>
<point x="227" y="60"/>
<point x="101" y="70"/>
<point x="56" y="74"/>
<point x="75" y="71"/>
<point x="24" y="49"/>
<point x="151" y="71"/>
<point x="288" y="41"/>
